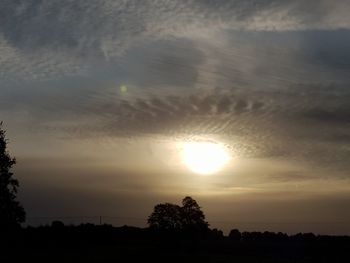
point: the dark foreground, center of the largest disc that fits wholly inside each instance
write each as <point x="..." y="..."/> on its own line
<point x="90" y="243"/>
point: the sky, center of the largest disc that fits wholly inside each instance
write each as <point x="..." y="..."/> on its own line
<point x="99" y="97"/>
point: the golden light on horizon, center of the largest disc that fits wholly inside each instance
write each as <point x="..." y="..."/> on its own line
<point x="204" y="157"/>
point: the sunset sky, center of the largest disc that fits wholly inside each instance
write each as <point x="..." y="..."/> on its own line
<point x="100" y="99"/>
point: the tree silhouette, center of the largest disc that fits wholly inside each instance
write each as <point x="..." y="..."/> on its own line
<point x="168" y="216"/>
<point x="235" y="235"/>
<point x="192" y="215"/>
<point x="11" y="211"/>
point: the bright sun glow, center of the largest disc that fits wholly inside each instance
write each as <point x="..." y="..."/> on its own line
<point x="204" y="157"/>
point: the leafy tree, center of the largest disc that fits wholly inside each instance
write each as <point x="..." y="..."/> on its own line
<point x="235" y="235"/>
<point x="11" y="211"/>
<point x="192" y="215"/>
<point x="216" y="234"/>
<point x="168" y="216"/>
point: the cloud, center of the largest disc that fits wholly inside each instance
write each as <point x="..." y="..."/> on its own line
<point x="269" y="79"/>
<point x="40" y="39"/>
<point x="199" y="112"/>
<point x="287" y="62"/>
<point x="252" y="123"/>
<point x="338" y="115"/>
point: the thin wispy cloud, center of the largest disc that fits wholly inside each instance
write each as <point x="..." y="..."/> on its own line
<point x="40" y="39"/>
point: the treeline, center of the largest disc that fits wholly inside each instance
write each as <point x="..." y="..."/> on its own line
<point x="108" y="233"/>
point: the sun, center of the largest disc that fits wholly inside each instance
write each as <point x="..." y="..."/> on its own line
<point x="204" y="157"/>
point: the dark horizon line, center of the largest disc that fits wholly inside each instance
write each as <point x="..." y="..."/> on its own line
<point x="222" y="222"/>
